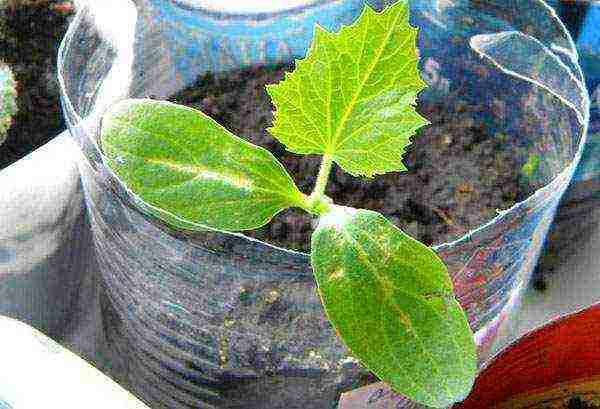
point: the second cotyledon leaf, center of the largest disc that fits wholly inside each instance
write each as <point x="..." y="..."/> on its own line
<point x="391" y="300"/>
<point x="352" y="98"/>
<point x="180" y="161"/>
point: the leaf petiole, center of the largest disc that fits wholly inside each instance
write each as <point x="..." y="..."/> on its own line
<point x="318" y="202"/>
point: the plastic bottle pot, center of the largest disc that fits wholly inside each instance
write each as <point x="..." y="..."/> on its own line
<point x="217" y="36"/>
<point x="220" y="319"/>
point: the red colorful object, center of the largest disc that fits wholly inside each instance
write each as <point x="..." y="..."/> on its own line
<point x="556" y="366"/>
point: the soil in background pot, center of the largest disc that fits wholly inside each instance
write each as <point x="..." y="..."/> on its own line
<point x="30" y="34"/>
<point x="577" y="402"/>
<point x="458" y="174"/>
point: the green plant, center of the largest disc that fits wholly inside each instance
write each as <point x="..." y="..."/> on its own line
<point x="352" y="100"/>
<point x="531" y="166"/>
<point x="8" y="100"/>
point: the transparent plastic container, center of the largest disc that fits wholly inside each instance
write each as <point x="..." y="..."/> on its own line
<point x="212" y="319"/>
<point x="217" y="36"/>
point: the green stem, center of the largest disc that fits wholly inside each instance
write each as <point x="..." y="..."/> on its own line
<point x="318" y="202"/>
<point x="323" y="177"/>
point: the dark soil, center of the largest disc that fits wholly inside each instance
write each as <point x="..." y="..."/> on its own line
<point x="30" y="34"/>
<point x="576" y="402"/>
<point x="458" y="174"/>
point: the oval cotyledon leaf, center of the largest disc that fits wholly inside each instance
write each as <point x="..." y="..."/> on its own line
<point x="184" y="163"/>
<point x="391" y="300"/>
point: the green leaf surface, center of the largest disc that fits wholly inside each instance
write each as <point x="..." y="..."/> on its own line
<point x="353" y="96"/>
<point x="184" y="163"/>
<point x="391" y="300"/>
<point x="531" y="166"/>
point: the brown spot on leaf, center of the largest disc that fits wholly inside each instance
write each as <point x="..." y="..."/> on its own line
<point x="404" y="320"/>
<point x="337" y="274"/>
<point x="445" y="298"/>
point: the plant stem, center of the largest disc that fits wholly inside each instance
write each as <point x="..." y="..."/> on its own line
<point x="320" y="203"/>
<point x="323" y="176"/>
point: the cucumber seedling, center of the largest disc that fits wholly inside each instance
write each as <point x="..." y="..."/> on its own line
<point x="351" y="100"/>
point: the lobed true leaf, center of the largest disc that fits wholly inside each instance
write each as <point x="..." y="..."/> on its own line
<point x="353" y="96"/>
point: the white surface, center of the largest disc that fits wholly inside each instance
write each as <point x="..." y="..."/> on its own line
<point x="38" y="373"/>
<point x="38" y="191"/>
<point x="47" y="266"/>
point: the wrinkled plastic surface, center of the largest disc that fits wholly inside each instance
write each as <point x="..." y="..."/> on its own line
<point x="231" y="322"/>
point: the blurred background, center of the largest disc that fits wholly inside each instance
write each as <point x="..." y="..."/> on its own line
<point x="30" y="34"/>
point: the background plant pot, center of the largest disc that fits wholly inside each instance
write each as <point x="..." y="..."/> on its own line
<point x="30" y="32"/>
<point x="230" y="322"/>
<point x="588" y="43"/>
<point x="556" y="366"/>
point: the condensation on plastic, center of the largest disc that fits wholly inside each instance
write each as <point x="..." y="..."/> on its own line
<point x="221" y="319"/>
